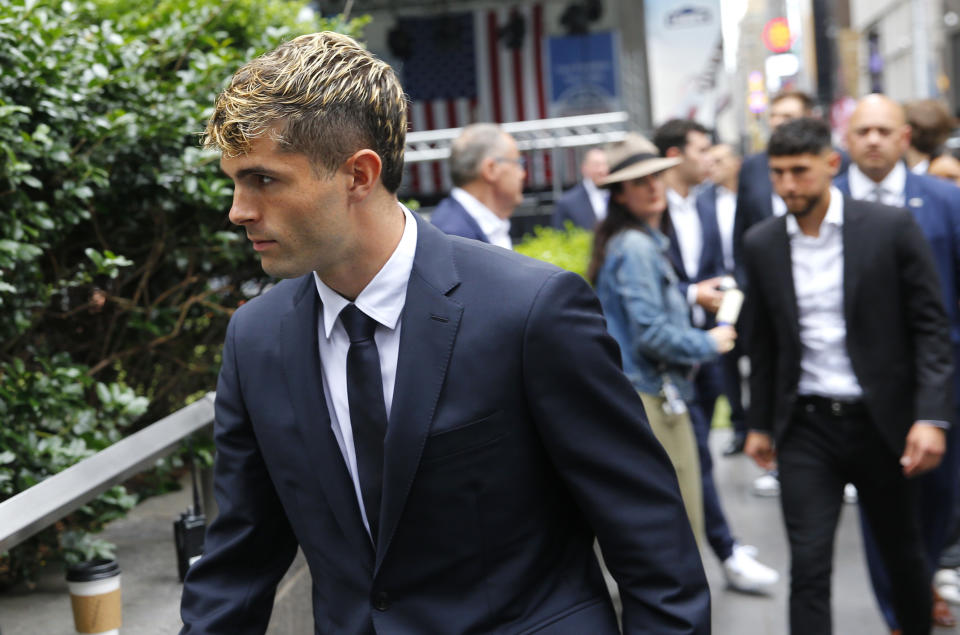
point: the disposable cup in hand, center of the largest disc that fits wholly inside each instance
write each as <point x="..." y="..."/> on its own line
<point x="730" y="306"/>
<point x="95" y="596"/>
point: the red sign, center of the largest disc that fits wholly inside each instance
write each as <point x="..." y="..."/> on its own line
<point x="776" y="35"/>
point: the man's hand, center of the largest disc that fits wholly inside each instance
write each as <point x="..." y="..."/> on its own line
<point x="708" y="295"/>
<point x="759" y="447"/>
<point x="926" y="444"/>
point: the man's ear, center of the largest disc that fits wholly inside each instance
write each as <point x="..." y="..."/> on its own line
<point x="364" y="168"/>
<point x="673" y="152"/>
<point x="906" y="134"/>
<point x="488" y="169"/>
<point x="834" y="161"/>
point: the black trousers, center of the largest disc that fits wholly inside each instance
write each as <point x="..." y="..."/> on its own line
<point x="826" y="446"/>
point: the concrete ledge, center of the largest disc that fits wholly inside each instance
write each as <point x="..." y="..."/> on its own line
<point x="151" y="590"/>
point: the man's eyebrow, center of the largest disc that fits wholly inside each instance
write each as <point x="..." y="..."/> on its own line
<point x="254" y="169"/>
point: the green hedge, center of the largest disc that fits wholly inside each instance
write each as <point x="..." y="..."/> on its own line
<point x="569" y="248"/>
<point x="118" y="267"/>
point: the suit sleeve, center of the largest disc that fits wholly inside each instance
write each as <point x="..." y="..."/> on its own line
<point x="761" y="346"/>
<point x="250" y="545"/>
<point x="927" y="319"/>
<point x="560" y="214"/>
<point x="594" y="428"/>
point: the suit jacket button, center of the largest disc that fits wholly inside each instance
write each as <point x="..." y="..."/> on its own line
<point x="381" y="601"/>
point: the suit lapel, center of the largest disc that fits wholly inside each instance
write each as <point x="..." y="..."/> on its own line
<point x="673" y="251"/>
<point x="852" y="254"/>
<point x="781" y="260"/>
<point x="430" y="323"/>
<point x="584" y="208"/>
<point x="298" y="333"/>
<point x="711" y="250"/>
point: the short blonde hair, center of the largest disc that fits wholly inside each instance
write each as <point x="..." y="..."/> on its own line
<point x="322" y="95"/>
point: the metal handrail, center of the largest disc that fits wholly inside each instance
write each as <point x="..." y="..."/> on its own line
<point x="40" y="506"/>
<point x="540" y="135"/>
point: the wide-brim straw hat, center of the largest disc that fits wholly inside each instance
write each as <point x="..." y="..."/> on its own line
<point x="634" y="157"/>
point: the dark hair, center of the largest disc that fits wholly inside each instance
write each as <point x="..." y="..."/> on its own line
<point x="805" y="99"/>
<point x="930" y="122"/>
<point x="807" y="135"/>
<point x="673" y="134"/>
<point x="618" y="218"/>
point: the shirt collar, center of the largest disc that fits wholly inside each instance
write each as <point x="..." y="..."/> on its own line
<point x="833" y="217"/>
<point x="384" y="296"/>
<point x="489" y="222"/>
<point x="677" y="202"/>
<point x="862" y="186"/>
<point x="592" y="188"/>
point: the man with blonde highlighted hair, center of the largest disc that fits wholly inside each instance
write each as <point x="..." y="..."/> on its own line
<point x="441" y="426"/>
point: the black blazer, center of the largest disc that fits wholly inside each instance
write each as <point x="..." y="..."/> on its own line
<point x="574" y="206"/>
<point x="513" y="439"/>
<point x="897" y="330"/>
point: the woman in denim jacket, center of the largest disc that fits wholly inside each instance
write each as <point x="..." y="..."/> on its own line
<point x="645" y="311"/>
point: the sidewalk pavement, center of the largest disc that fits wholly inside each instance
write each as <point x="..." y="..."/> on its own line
<point x="149" y="584"/>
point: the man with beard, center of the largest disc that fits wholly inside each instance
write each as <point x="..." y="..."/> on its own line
<point x="852" y="371"/>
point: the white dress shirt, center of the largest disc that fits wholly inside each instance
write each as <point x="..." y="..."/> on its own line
<point x="922" y="167"/>
<point x="889" y="191"/>
<point x="726" y="213"/>
<point x="687" y="229"/>
<point x="382" y="299"/>
<point x="817" y="262"/>
<point x="598" y="198"/>
<point x="496" y="229"/>
<point x="779" y="206"/>
<point x="688" y="232"/>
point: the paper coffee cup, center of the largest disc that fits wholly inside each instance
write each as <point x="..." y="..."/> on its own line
<point x="95" y="596"/>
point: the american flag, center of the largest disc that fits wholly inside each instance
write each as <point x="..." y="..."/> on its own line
<point x="461" y="72"/>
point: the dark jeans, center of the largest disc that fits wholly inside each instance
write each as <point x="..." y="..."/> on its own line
<point x="732" y="385"/>
<point x="708" y="386"/>
<point x="822" y="451"/>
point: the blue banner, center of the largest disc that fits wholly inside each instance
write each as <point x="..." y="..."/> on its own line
<point x="584" y="77"/>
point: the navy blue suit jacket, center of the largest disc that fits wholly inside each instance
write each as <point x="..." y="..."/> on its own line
<point x="452" y="218"/>
<point x="513" y="439"/>
<point x="711" y="253"/>
<point x="574" y="206"/>
<point x="935" y="205"/>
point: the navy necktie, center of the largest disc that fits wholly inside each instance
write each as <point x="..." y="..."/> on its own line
<point x="368" y="414"/>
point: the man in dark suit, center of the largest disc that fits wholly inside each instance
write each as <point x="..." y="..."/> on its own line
<point x="852" y="371"/>
<point x="441" y="426"/>
<point x="719" y="200"/>
<point x="695" y="250"/>
<point x="585" y="204"/>
<point x="487" y="173"/>
<point x="878" y="137"/>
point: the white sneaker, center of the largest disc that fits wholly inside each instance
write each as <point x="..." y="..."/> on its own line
<point x="766" y="485"/>
<point x="746" y="574"/>
<point x="850" y="494"/>
<point x="947" y="583"/>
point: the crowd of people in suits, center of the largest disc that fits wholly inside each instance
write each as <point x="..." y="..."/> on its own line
<point x="848" y="339"/>
<point x="448" y="430"/>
